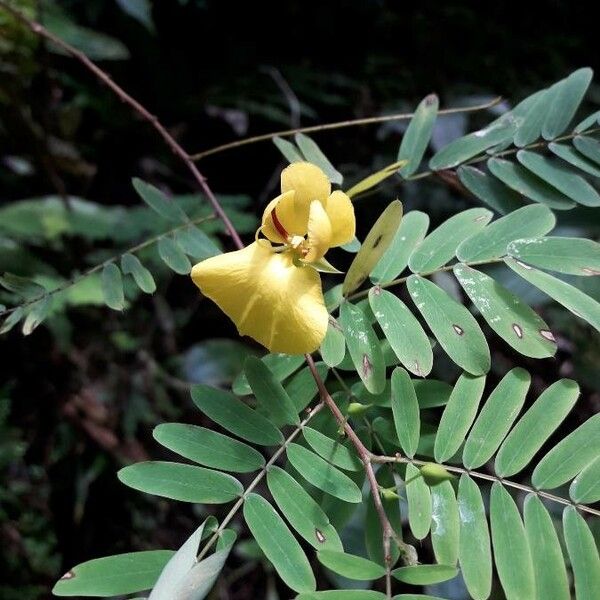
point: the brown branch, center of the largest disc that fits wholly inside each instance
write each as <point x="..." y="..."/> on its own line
<point x="177" y="149"/>
<point x="367" y="458"/>
<point x="337" y="125"/>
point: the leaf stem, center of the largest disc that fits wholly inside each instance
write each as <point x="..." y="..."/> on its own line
<point x="493" y="478"/>
<point x="234" y="509"/>
<point x="399" y="281"/>
<point x="337" y="125"/>
<point x="132" y="250"/>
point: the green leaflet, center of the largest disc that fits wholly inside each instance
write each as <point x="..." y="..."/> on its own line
<point x="453" y="325"/>
<point x="195" y="243"/>
<point x="589" y="147"/>
<point x="474" y="554"/>
<point x="491" y="242"/>
<point x="272" y="399"/>
<point x="343" y="595"/>
<point x="208" y="448"/>
<point x="334" y="451"/>
<point x="575" y="158"/>
<point x="445" y="523"/>
<point x="417" y="136"/>
<point x="333" y="347"/>
<point x="535" y="427"/>
<point x="496" y="418"/>
<point x="363" y="345"/>
<point x="419" y="502"/>
<point x="185" y="483"/>
<point x="458" y="416"/>
<point x="405" y="409"/>
<point x="350" y="566"/>
<point x="522" y="181"/>
<point x="464" y="148"/>
<point x="590" y="122"/>
<point x="322" y="475"/>
<point x="580" y="304"/>
<point x="37" y="313"/>
<point x="548" y="562"/>
<point x="515" y="322"/>
<point x="585" y="488"/>
<point x="288" y="149"/>
<point x="312" y="153"/>
<point x="583" y="554"/>
<point x="407" y="338"/>
<point x="411" y="232"/>
<point x="425" y="574"/>
<point x="112" y="287"/>
<point x="440" y="245"/>
<point x="566" y="96"/>
<point x="373" y="248"/>
<point x="569" y="456"/>
<point x="158" y="202"/>
<point x="301" y="511"/>
<point x="489" y="190"/>
<point x="511" y="549"/>
<point x="560" y="177"/>
<point x="281" y="365"/>
<point x="530" y="128"/>
<point x="114" y="575"/>
<point x="278" y="544"/>
<point x="235" y="416"/>
<point x="575" y="256"/>
<point x="131" y="265"/>
<point x="173" y="256"/>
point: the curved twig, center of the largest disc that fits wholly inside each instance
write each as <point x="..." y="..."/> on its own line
<point x="337" y="125"/>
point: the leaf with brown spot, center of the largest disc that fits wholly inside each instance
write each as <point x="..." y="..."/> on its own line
<point x="376" y="243"/>
<point x="513" y="320"/>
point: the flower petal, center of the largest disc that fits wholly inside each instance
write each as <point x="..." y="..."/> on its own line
<point x="309" y="183"/>
<point x="341" y="215"/>
<point x="268" y="298"/>
<point x="286" y="215"/>
<point x="319" y="232"/>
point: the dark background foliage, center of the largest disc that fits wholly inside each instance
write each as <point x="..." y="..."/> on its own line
<point x="80" y="397"/>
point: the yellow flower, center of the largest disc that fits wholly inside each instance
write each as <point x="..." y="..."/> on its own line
<point x="273" y="292"/>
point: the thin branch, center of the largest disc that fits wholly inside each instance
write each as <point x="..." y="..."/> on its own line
<point x="257" y="480"/>
<point x="401" y="280"/>
<point x="337" y="125"/>
<point x="74" y="280"/>
<point x="478" y="475"/>
<point x="177" y="149"/>
<point x="365" y="455"/>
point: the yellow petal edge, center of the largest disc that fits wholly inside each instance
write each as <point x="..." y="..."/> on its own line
<point x="268" y="298"/>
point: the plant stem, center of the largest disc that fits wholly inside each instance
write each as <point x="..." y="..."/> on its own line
<point x="336" y="125"/>
<point x="365" y="455"/>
